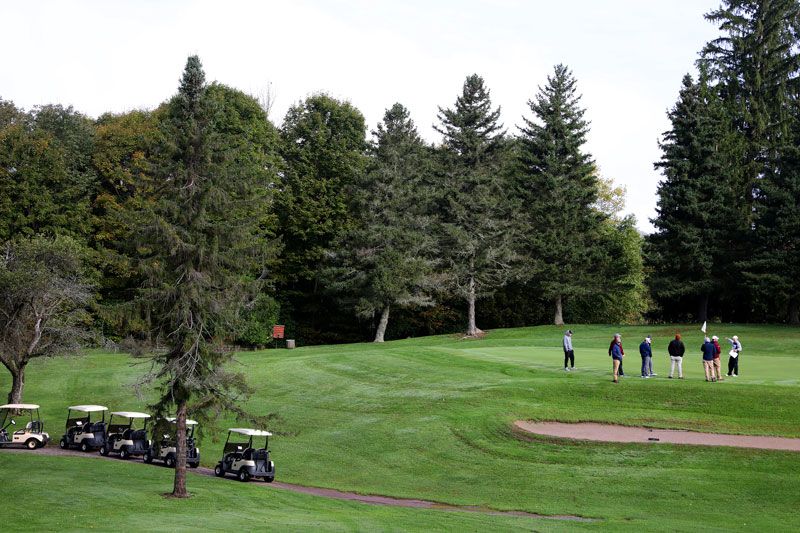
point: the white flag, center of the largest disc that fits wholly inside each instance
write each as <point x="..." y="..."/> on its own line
<point x="703" y="329"/>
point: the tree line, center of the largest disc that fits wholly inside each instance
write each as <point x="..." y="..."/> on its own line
<point x="358" y="236"/>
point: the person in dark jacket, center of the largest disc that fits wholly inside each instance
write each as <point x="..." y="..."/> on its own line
<point x="646" y="351"/>
<point x="616" y="354"/>
<point x="708" y="358"/>
<point x="617" y="340"/>
<point x="676" y="350"/>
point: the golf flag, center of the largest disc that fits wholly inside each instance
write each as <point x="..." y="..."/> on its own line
<point x="703" y="329"/>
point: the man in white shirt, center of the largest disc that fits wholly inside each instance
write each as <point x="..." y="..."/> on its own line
<point x="569" y="353"/>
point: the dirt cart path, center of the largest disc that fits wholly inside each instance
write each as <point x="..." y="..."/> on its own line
<point x="614" y="433"/>
<point x="325" y="493"/>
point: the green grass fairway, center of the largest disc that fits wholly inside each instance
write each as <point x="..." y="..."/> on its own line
<point x="431" y="418"/>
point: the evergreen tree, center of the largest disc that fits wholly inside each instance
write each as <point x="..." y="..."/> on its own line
<point x="756" y="62"/>
<point x="557" y="187"/>
<point x="773" y="265"/>
<point x="383" y="260"/>
<point x="698" y="211"/>
<point x="197" y="246"/>
<point x="472" y="195"/>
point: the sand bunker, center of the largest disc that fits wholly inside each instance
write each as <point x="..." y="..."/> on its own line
<point x="614" y="433"/>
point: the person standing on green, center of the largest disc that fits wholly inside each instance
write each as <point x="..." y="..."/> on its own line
<point x="569" y="353"/>
<point x="733" y="360"/>
<point x="646" y="351"/>
<point x="676" y="350"/>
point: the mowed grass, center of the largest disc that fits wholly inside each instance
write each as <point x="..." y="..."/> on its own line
<point x="432" y="418"/>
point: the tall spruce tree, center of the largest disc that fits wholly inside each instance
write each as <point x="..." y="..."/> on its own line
<point x="698" y="211"/>
<point x="756" y="63"/>
<point x="557" y="186"/>
<point x="472" y="195"/>
<point x="198" y="243"/>
<point x="384" y="259"/>
<point x="773" y="267"/>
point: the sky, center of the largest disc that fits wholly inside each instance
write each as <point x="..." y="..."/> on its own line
<point x="628" y="57"/>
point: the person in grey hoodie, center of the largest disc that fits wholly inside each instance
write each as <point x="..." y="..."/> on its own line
<point x="569" y="353"/>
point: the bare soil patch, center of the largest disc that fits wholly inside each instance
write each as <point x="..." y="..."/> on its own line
<point x="614" y="433"/>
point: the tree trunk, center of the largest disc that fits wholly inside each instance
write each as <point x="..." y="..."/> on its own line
<point x="379" y="333"/>
<point x="17" y="382"/>
<point x="794" y="311"/>
<point x="472" y="329"/>
<point x="702" y="308"/>
<point x="559" y="319"/>
<point x="179" y="489"/>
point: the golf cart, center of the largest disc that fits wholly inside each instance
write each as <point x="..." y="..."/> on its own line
<point x="165" y="449"/>
<point x="239" y="457"/>
<point x="81" y="431"/>
<point x="32" y="436"/>
<point x="123" y="438"/>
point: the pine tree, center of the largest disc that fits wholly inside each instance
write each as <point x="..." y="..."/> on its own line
<point x="472" y="198"/>
<point x="772" y="268"/>
<point x="756" y="63"/>
<point x="198" y="243"/>
<point x="557" y="186"/>
<point x="383" y="260"/>
<point x="698" y="211"/>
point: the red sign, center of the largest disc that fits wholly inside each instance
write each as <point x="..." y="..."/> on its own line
<point x="277" y="332"/>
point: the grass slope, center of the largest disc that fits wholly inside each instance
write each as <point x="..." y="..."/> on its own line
<point x="431" y="418"/>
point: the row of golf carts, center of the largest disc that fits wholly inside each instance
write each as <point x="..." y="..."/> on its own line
<point x="126" y="434"/>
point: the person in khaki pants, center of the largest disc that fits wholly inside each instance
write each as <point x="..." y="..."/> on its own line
<point x="717" y="364"/>
<point x="708" y="359"/>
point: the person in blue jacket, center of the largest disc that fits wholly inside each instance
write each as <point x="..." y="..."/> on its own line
<point x="616" y="353"/>
<point x="709" y="350"/>
<point x="646" y="351"/>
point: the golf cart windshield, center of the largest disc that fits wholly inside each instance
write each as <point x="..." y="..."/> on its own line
<point x="234" y="447"/>
<point x="78" y="421"/>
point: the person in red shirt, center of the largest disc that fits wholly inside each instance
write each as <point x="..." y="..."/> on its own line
<point x="717" y="364"/>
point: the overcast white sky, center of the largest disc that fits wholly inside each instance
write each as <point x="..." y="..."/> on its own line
<point x="628" y="56"/>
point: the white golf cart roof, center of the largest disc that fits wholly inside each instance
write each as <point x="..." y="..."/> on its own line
<point x="19" y="406"/>
<point x="251" y="432"/>
<point x="188" y="422"/>
<point x="88" y="408"/>
<point x="130" y="414"/>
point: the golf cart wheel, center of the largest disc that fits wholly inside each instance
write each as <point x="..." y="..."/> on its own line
<point x="147" y="458"/>
<point x="194" y="465"/>
<point x="269" y="479"/>
<point x="103" y="450"/>
<point x="218" y="471"/>
<point x="31" y="444"/>
<point x="84" y="447"/>
<point x="62" y="444"/>
<point x="123" y="453"/>
<point x="170" y="461"/>
<point x="243" y="475"/>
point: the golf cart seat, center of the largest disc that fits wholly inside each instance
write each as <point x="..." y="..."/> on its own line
<point x="248" y="454"/>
